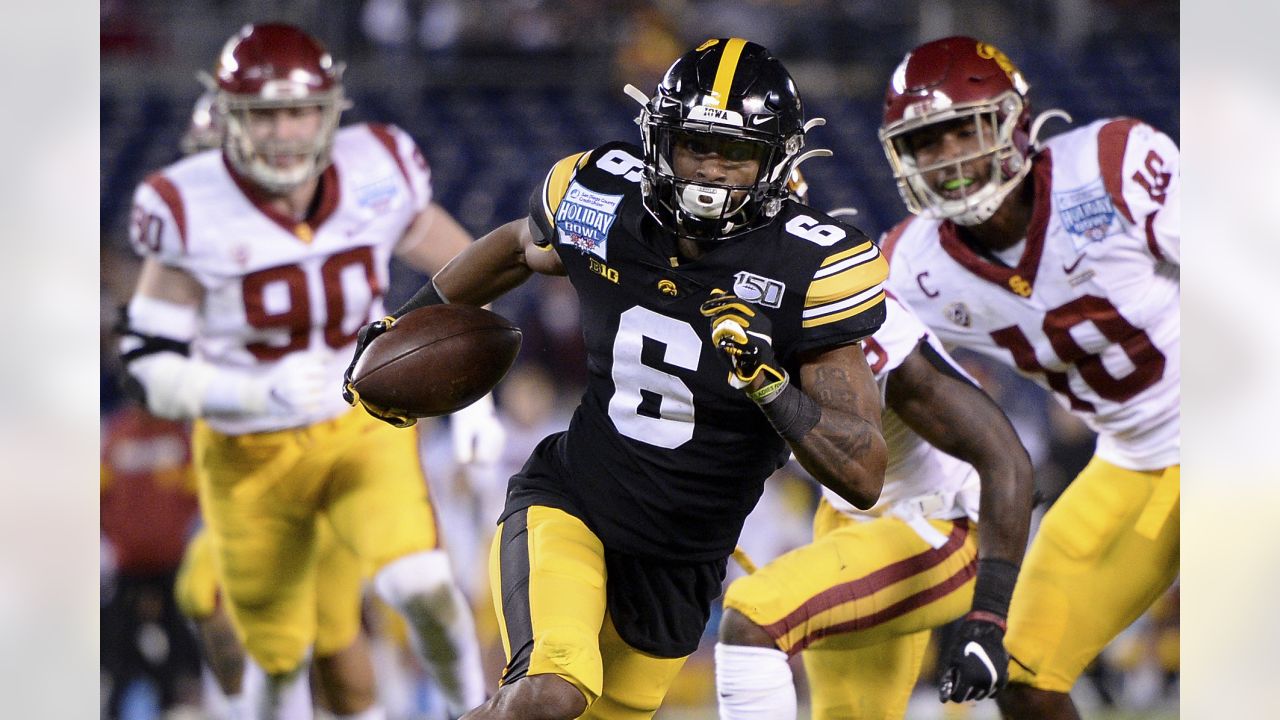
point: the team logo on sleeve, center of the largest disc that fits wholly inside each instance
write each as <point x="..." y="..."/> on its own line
<point x="584" y="218"/>
<point x="1087" y="213"/>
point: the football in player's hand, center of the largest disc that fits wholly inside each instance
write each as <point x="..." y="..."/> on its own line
<point x="436" y="360"/>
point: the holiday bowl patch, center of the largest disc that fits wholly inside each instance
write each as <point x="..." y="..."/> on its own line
<point x="1087" y="213"/>
<point x="584" y="218"/>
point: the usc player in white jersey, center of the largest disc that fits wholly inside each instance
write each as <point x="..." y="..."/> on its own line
<point x="1061" y="260"/>
<point x="860" y="601"/>
<point x="342" y="667"/>
<point x="261" y="263"/>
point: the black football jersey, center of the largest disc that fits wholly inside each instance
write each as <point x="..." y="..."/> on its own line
<point x="663" y="458"/>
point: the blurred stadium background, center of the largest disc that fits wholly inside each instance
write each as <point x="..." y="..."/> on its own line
<point x="495" y="91"/>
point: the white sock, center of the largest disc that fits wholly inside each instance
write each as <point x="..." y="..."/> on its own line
<point x="287" y="697"/>
<point x="443" y="633"/>
<point x="238" y="708"/>
<point x="754" y="683"/>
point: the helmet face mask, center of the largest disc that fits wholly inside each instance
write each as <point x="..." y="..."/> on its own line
<point x="705" y="207"/>
<point x="962" y="84"/>
<point x="280" y="95"/>
<point x="732" y="102"/>
<point x="967" y="187"/>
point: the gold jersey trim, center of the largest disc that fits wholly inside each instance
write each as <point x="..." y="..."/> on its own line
<point x="557" y="183"/>
<point x="855" y="310"/>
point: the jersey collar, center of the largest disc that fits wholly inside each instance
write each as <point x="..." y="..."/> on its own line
<point x="1021" y="279"/>
<point x="305" y="229"/>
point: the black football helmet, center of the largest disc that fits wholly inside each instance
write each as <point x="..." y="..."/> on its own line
<point x="732" y="96"/>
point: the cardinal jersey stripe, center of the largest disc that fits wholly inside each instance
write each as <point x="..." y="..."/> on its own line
<point x="168" y="192"/>
<point x="726" y="70"/>
<point x="1113" y="140"/>
<point x="890" y="239"/>
<point x="557" y="183"/>
<point x="384" y="136"/>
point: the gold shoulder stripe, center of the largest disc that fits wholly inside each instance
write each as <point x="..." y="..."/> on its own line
<point x="557" y="183"/>
<point x="845" y="253"/>
<point x="855" y="310"/>
<point x="847" y="283"/>
<point x="726" y="70"/>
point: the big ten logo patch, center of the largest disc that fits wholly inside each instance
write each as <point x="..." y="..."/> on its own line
<point x="603" y="270"/>
<point x="758" y="289"/>
<point x="584" y="219"/>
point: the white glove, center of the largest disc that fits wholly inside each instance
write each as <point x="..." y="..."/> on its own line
<point x="478" y="435"/>
<point x="300" y="384"/>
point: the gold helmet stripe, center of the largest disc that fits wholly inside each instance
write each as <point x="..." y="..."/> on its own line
<point x="726" y="70"/>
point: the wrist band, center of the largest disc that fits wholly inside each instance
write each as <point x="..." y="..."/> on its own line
<point x="994" y="586"/>
<point x="766" y="394"/>
<point x="983" y="616"/>
<point x="426" y="295"/>
<point x="791" y="412"/>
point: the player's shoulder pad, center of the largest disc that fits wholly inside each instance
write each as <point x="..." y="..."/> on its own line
<point x="401" y="148"/>
<point x="848" y="270"/>
<point x="612" y="169"/>
<point x="158" y="220"/>
<point x="609" y="171"/>
<point x="888" y="241"/>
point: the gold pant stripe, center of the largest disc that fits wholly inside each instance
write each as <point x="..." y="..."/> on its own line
<point x="894" y="611"/>
<point x="870" y="584"/>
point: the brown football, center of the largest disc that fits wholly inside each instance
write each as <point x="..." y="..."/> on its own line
<point x="436" y="360"/>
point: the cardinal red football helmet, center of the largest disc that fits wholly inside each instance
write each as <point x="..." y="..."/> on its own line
<point x="267" y="67"/>
<point x="951" y="79"/>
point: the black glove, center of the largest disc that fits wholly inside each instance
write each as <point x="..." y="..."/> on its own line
<point x="743" y="337"/>
<point x="977" y="665"/>
<point x="363" y="338"/>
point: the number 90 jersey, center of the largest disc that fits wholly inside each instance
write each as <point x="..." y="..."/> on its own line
<point x="274" y="286"/>
<point x="1090" y="311"/>
<point x="663" y="458"/>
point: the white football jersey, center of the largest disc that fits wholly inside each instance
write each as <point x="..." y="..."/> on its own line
<point x="274" y="286"/>
<point x="919" y="479"/>
<point x="1090" y="311"/>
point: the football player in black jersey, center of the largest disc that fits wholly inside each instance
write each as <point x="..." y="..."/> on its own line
<point x="722" y="322"/>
